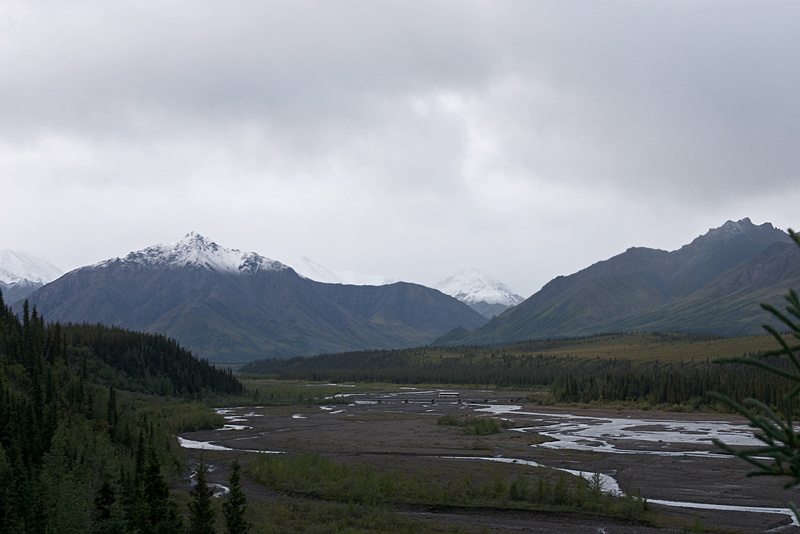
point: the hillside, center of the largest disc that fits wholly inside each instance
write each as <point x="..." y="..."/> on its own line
<point x="233" y="307"/>
<point x="713" y="285"/>
<point x="78" y="451"/>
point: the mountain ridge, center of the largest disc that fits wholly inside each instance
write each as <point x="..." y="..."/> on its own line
<point x="230" y="306"/>
<point x="649" y="289"/>
<point x="196" y="251"/>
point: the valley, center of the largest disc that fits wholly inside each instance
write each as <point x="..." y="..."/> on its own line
<point x="233" y="307"/>
<point x="603" y="431"/>
<point x="665" y="458"/>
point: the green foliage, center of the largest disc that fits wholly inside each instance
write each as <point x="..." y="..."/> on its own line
<point x="201" y="513"/>
<point x="136" y="361"/>
<point x="480" y="426"/>
<point x="261" y="393"/>
<point x="775" y="428"/>
<point x="319" y="477"/>
<point x="235" y="506"/>
<point x="667" y="386"/>
<point x="319" y="517"/>
<point x="77" y="452"/>
<point x="603" y="368"/>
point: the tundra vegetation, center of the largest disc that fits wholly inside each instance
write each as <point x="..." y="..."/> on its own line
<point x="315" y="476"/>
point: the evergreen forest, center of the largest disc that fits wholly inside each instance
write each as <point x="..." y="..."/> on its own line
<point x="666" y="370"/>
<point x="88" y="416"/>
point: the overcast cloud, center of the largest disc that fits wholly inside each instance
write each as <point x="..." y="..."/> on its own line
<point x="406" y="139"/>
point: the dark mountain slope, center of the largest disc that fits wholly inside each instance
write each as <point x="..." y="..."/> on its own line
<point x="235" y="307"/>
<point x="729" y="305"/>
<point x="720" y="249"/>
<point x="711" y="285"/>
<point x="402" y="303"/>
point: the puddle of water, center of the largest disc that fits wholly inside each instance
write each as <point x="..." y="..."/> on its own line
<point x="401" y="393"/>
<point x="220" y="490"/>
<point x="201" y="445"/>
<point x="235" y="427"/>
<point x="209" y="446"/>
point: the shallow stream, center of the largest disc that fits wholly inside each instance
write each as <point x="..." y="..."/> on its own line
<point x="624" y="435"/>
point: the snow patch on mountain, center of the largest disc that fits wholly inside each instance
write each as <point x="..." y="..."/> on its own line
<point x="312" y="270"/>
<point x="16" y="267"/>
<point x="196" y="251"/>
<point x="473" y="286"/>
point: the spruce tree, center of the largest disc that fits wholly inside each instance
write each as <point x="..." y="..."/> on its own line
<point x="201" y="513"/>
<point x="163" y="515"/>
<point x="112" y="411"/>
<point x="780" y="454"/>
<point x="234" y="507"/>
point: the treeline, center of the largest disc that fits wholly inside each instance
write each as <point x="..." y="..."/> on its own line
<point x="569" y="379"/>
<point x="76" y="453"/>
<point x="417" y="366"/>
<point x="136" y="361"/>
<point x="112" y="356"/>
<point x="670" y="384"/>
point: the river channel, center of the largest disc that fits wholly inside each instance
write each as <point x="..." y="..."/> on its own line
<point x="668" y="458"/>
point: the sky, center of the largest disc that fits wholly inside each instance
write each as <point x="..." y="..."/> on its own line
<point x="408" y="139"/>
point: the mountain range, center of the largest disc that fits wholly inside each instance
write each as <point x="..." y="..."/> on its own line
<point x="230" y="306"/>
<point x="481" y="292"/>
<point x="715" y="284"/>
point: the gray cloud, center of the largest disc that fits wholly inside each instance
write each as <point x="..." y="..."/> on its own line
<point x="409" y="139"/>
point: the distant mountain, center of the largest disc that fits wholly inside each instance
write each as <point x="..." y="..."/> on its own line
<point x="21" y="274"/>
<point x="481" y="292"/>
<point x="232" y="307"/>
<point x="312" y="270"/>
<point x="715" y="284"/>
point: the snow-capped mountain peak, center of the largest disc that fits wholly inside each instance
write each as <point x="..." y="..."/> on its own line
<point x="312" y="270"/>
<point x="199" y="252"/>
<point x="472" y="286"/>
<point x="308" y="268"/>
<point x="16" y="267"/>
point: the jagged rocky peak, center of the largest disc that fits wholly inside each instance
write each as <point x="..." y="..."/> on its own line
<point x="199" y="252"/>
<point x="473" y="285"/>
<point x="744" y="227"/>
